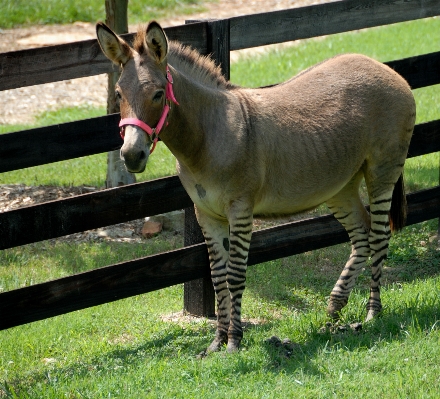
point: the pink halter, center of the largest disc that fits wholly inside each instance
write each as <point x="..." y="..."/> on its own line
<point x="153" y="132"/>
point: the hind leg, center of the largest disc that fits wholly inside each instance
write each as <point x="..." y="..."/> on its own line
<point x="378" y="240"/>
<point x="347" y="207"/>
<point x="380" y="180"/>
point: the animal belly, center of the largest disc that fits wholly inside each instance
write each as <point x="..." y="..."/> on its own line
<point x="274" y="207"/>
<point x="294" y="199"/>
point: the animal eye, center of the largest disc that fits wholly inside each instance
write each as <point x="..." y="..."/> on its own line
<point x="118" y="95"/>
<point x="158" y="96"/>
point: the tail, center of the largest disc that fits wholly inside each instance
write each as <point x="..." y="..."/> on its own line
<point x="398" y="206"/>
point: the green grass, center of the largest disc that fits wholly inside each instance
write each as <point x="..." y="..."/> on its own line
<point x="16" y="13"/>
<point x="127" y="349"/>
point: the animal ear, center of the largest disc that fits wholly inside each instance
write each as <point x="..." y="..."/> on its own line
<point x="114" y="48"/>
<point x="156" y="41"/>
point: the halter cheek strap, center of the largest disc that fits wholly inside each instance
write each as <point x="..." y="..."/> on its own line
<point x="153" y="132"/>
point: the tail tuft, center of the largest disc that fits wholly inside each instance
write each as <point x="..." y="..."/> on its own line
<point x="398" y="206"/>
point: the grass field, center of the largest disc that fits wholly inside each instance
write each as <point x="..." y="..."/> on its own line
<point x="16" y="13"/>
<point x="132" y="348"/>
<point x="128" y="349"/>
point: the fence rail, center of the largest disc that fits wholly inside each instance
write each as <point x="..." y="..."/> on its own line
<point x="55" y="143"/>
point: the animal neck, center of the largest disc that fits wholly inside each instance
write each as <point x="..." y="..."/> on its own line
<point x="190" y="122"/>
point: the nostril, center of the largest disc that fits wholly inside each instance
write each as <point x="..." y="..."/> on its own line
<point x="134" y="158"/>
<point x="142" y="155"/>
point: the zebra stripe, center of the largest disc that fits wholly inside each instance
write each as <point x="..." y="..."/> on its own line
<point x="239" y="242"/>
<point x="354" y="224"/>
<point x="379" y="236"/>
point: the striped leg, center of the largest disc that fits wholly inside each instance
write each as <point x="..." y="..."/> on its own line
<point x="228" y="247"/>
<point x="387" y="201"/>
<point x="347" y="207"/>
<point x="216" y="235"/>
<point x="378" y="240"/>
<point x="239" y="242"/>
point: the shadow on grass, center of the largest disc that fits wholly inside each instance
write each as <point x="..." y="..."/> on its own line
<point x="181" y="345"/>
<point x="171" y="344"/>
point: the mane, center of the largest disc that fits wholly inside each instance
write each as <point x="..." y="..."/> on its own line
<point x="189" y="62"/>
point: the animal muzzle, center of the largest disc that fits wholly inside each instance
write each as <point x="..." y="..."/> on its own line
<point x="135" y="150"/>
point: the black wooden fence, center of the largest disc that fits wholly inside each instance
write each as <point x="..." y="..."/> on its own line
<point x="70" y="140"/>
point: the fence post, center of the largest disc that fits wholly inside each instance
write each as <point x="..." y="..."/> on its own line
<point x="117" y="20"/>
<point x="199" y="295"/>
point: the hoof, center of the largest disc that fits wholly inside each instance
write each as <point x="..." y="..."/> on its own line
<point x="372" y="313"/>
<point x="233" y="346"/>
<point x="215" y="346"/>
<point x="334" y="312"/>
<point x="374" y="308"/>
<point x="221" y="338"/>
<point x="334" y="308"/>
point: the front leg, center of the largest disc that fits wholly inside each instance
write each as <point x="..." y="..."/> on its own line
<point x="216" y="233"/>
<point x="228" y="248"/>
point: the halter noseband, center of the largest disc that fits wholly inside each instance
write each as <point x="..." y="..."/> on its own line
<point x="153" y="132"/>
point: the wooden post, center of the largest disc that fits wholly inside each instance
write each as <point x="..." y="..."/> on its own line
<point x="219" y="48"/>
<point x="199" y="295"/>
<point x="116" y="19"/>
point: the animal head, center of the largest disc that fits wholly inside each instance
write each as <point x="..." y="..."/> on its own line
<point x="141" y="88"/>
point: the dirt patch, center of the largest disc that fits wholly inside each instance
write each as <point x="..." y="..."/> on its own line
<point x="13" y="196"/>
<point x="184" y="319"/>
